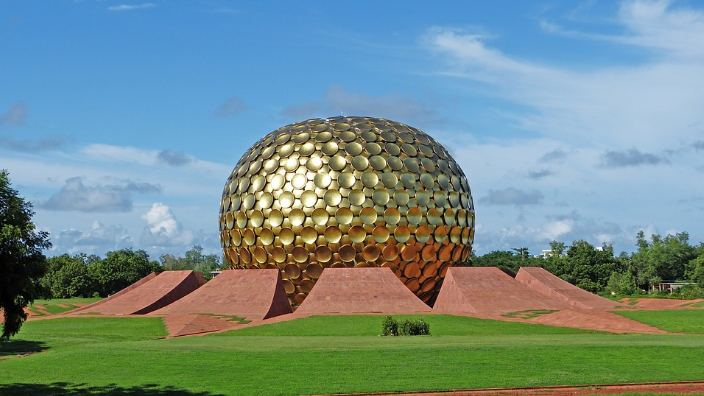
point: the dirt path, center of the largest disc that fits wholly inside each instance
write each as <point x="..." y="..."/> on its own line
<point x="662" y="387"/>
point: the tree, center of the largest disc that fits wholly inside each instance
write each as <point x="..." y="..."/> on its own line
<point x="521" y="251"/>
<point x="120" y="269"/>
<point x="585" y="266"/>
<point x="195" y="260"/>
<point x="68" y="276"/>
<point x="21" y="260"/>
<point x="662" y="259"/>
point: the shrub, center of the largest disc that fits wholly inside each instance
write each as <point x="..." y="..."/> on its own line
<point x="390" y="327"/>
<point x="414" y="327"/>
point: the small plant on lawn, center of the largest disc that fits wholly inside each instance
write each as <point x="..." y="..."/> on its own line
<point x="390" y="327"/>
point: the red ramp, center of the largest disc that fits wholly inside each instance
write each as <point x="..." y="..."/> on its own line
<point x="488" y="290"/>
<point x="544" y="282"/>
<point x="254" y="294"/>
<point x="148" y="294"/>
<point x="360" y="291"/>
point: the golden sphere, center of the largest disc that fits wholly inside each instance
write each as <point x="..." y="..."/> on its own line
<point x="347" y="192"/>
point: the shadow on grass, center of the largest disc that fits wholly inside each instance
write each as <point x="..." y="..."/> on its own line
<point x="68" y="389"/>
<point x="20" y="347"/>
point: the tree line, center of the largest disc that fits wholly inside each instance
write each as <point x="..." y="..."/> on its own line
<point x="599" y="270"/>
<point x="82" y="275"/>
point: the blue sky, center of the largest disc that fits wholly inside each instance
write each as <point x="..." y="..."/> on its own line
<point x="121" y="121"/>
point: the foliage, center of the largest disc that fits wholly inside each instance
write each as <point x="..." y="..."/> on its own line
<point x="598" y="270"/>
<point x="68" y="276"/>
<point x="389" y="326"/>
<point x="408" y="327"/>
<point x="507" y="261"/>
<point x="661" y="259"/>
<point x="584" y="265"/>
<point x="194" y="260"/>
<point x="21" y="260"/>
<point x="622" y="283"/>
<point x="120" y="269"/>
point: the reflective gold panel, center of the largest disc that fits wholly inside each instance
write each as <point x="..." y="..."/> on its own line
<point x="346" y="192"/>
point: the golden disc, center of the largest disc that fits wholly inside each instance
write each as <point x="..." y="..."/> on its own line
<point x="299" y="254"/>
<point x="380" y="234"/>
<point x="368" y="215"/>
<point x="356" y="197"/>
<point x="292" y="271"/>
<point x="297" y="217"/>
<point x="320" y="216"/>
<point x="347" y="253"/>
<point x="402" y="233"/>
<point x="371" y="253"/>
<point x="249" y="237"/>
<point x="322" y="180"/>
<point x="278" y="254"/>
<point x="357" y="234"/>
<point x="333" y="234"/>
<point x="309" y="198"/>
<point x="309" y="235"/>
<point x="323" y="254"/>
<point x="266" y="237"/>
<point x="428" y="253"/>
<point x="332" y="197"/>
<point x="344" y="215"/>
<point x="314" y="270"/>
<point x="370" y="179"/>
<point x="422" y="234"/>
<point x="346" y="179"/>
<point x="286" y="199"/>
<point x="414" y="215"/>
<point x="287" y="236"/>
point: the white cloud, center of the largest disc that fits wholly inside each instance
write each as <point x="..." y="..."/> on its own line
<point x="76" y="196"/>
<point x="552" y="230"/>
<point x="98" y="240"/>
<point x="127" y="7"/>
<point x="652" y="103"/>
<point x="163" y="230"/>
<point x="106" y="152"/>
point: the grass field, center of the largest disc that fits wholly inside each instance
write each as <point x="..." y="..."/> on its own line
<point x="58" y="306"/>
<point x="689" y="321"/>
<point x="324" y="355"/>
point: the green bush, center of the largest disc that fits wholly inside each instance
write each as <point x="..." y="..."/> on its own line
<point x="390" y="327"/>
<point x="413" y="327"/>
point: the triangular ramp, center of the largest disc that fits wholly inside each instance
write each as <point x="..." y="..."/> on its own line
<point x="149" y="294"/>
<point x="369" y="290"/>
<point x="544" y="282"/>
<point x="488" y="290"/>
<point x="254" y="294"/>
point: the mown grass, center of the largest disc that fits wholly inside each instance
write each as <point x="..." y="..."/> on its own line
<point x="58" y="306"/>
<point x="689" y="321"/>
<point x="325" y="355"/>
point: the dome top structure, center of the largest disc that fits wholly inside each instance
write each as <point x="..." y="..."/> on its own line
<point x="347" y="192"/>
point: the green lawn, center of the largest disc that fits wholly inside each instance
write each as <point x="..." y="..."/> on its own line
<point x="57" y="306"/>
<point x="324" y="355"/>
<point x="676" y="320"/>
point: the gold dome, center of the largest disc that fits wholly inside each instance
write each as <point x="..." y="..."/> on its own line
<point x="347" y="192"/>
